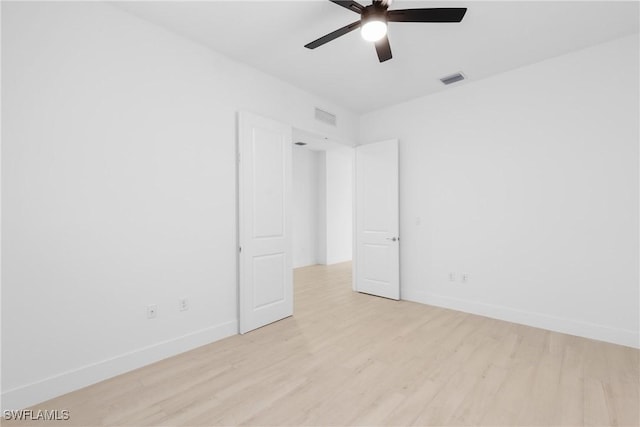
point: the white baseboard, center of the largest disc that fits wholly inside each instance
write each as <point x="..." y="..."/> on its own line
<point x="338" y="261"/>
<point x="567" y="326"/>
<point x="31" y="394"/>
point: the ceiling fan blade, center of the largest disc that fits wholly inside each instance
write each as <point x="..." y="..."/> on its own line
<point x="351" y="5"/>
<point x="427" y="15"/>
<point x="332" y="36"/>
<point x="383" y="49"/>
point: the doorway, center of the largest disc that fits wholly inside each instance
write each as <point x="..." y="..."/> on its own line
<point x="321" y="211"/>
<point x="322" y="199"/>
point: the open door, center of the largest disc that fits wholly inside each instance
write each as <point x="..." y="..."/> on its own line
<point x="377" y="247"/>
<point x="264" y="187"/>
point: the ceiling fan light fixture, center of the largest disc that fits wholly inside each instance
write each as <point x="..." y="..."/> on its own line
<point x="373" y="30"/>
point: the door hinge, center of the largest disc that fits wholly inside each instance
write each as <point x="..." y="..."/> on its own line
<point x="239" y="248"/>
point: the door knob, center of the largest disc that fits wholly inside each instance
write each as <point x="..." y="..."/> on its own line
<point x="393" y="239"/>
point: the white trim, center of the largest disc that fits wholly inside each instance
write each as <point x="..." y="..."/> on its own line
<point x="354" y="224"/>
<point x="539" y="320"/>
<point x="339" y="260"/>
<point x="69" y="381"/>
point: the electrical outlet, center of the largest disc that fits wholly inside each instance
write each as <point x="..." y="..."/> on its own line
<point x="183" y="304"/>
<point x="452" y="277"/>
<point x="152" y="311"/>
<point x="464" y="277"/>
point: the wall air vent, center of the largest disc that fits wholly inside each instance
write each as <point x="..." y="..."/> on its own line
<point x="326" y="117"/>
<point x="452" y="78"/>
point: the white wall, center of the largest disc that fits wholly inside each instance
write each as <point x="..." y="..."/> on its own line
<point x="339" y="205"/>
<point x="321" y="249"/>
<point x="335" y="206"/>
<point x="118" y="191"/>
<point x="327" y="220"/>
<point x="305" y="206"/>
<point x="528" y="182"/>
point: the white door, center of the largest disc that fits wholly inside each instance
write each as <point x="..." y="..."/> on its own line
<point x="377" y="247"/>
<point x="264" y="181"/>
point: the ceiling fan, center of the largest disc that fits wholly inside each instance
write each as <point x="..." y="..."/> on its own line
<point x="374" y="18"/>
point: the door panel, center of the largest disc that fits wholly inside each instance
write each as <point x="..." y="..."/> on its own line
<point x="268" y="158"/>
<point x="264" y="172"/>
<point x="376" y="267"/>
<point x="268" y="273"/>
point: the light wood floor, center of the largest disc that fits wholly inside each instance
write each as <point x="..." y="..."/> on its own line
<point x="353" y="359"/>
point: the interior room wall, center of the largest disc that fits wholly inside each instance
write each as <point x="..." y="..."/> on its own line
<point x="339" y="205"/>
<point x="321" y="249"/>
<point x="527" y="182"/>
<point x="118" y="172"/>
<point x="335" y="206"/>
<point x="305" y="207"/>
<point x="331" y="222"/>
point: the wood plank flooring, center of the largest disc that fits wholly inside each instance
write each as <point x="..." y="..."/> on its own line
<point x="351" y="359"/>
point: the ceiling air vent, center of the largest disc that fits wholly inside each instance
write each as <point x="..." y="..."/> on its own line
<point x="452" y="78"/>
<point x="326" y="117"/>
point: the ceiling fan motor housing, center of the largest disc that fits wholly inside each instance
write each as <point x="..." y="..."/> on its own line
<point x="375" y="12"/>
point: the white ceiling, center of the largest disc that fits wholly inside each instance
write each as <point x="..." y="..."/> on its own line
<point x="492" y="38"/>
